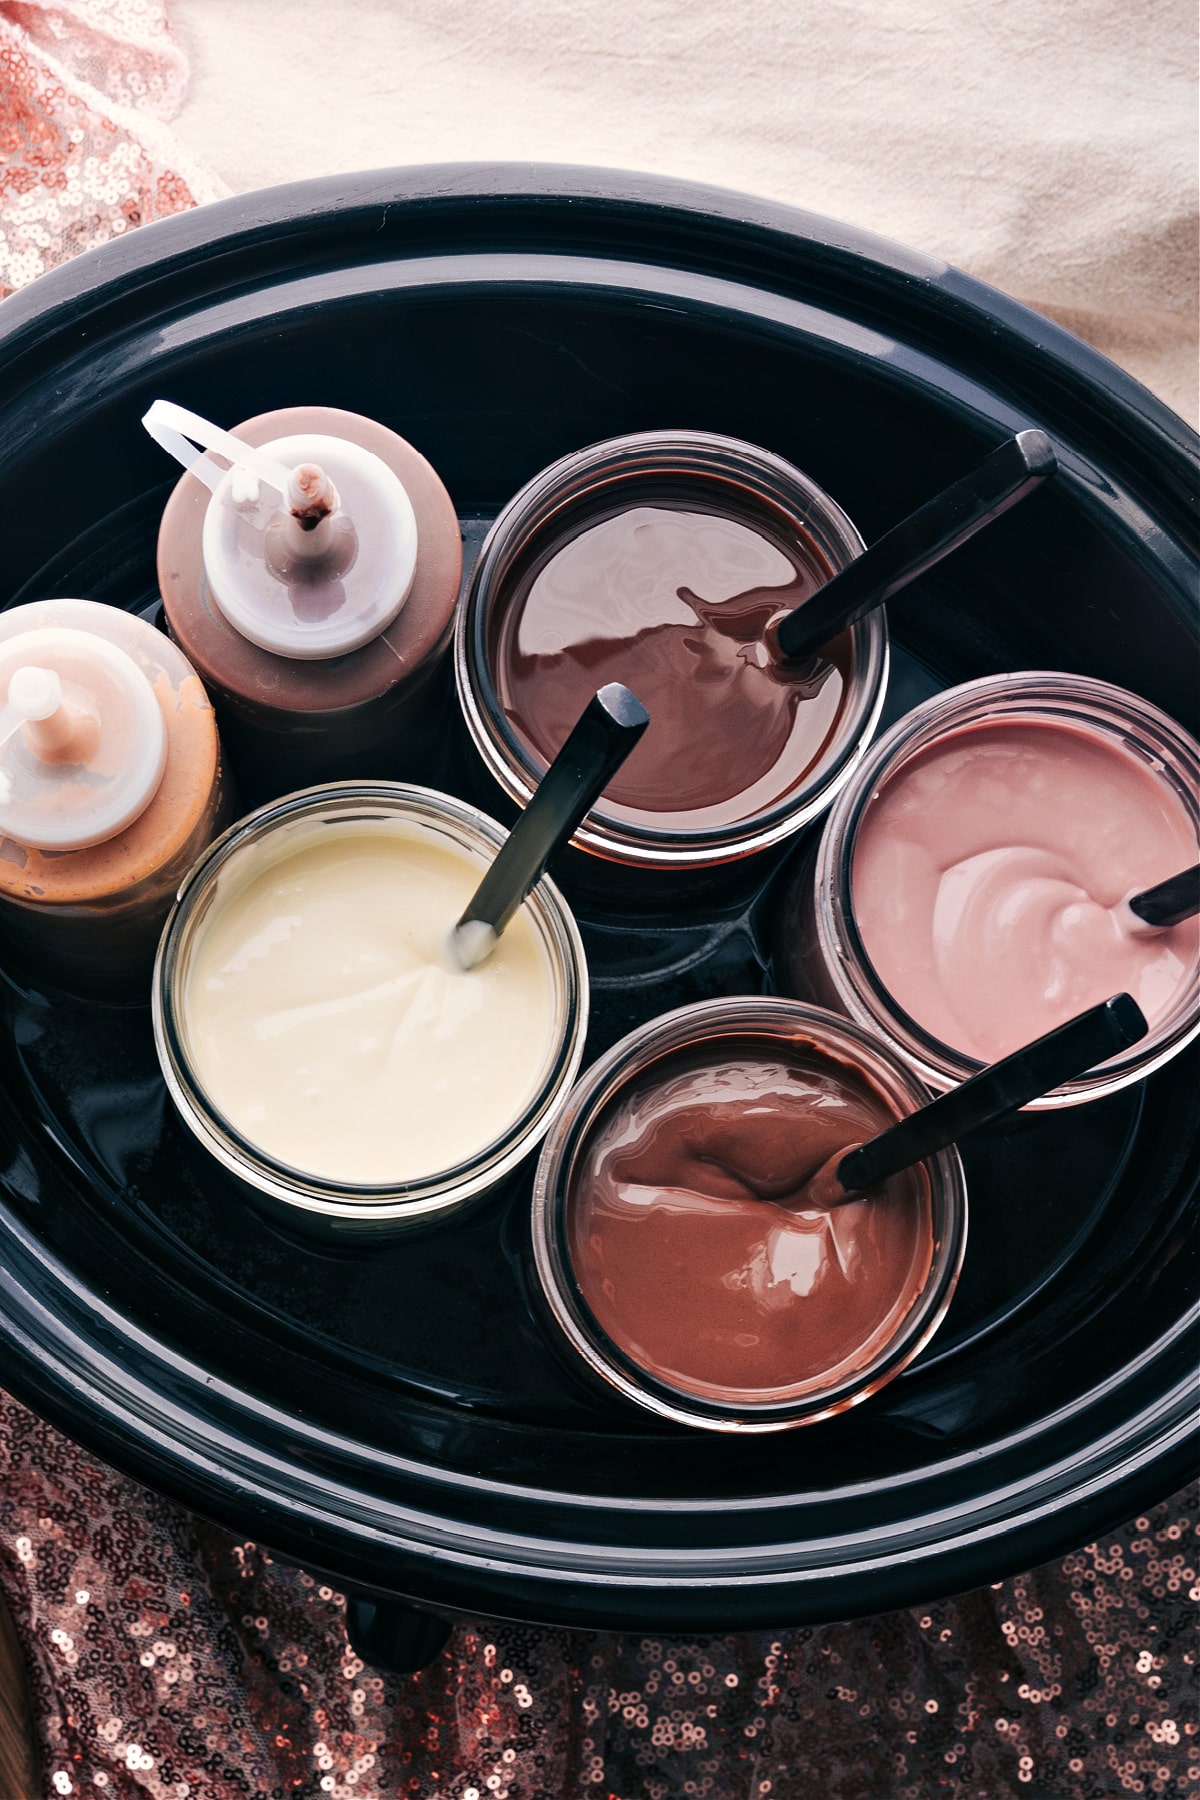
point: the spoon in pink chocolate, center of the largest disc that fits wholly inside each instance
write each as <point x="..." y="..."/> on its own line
<point x="916" y="544"/>
<point x="1089" y="1038"/>
<point x="1167" y="903"/>
<point x="608" y="729"/>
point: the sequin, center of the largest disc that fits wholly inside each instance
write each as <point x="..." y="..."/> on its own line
<point x="85" y="153"/>
<point x="206" y="1670"/>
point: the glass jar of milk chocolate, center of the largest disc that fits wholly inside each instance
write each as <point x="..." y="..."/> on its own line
<point x="683" y="1259"/>
<point x="662" y="560"/>
<point x="971" y="888"/>
<point x="318" y="1034"/>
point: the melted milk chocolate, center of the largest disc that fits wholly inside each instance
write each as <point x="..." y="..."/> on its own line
<point x="684" y="1243"/>
<point x="673" y="601"/>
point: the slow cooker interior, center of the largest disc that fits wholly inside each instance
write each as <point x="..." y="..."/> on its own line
<point x="429" y="1352"/>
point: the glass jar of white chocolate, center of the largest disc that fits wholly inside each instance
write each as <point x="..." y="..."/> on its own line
<point x="317" y="1033"/>
<point x="970" y="889"/>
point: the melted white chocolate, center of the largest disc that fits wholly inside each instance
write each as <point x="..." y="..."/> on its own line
<point x="329" y="1021"/>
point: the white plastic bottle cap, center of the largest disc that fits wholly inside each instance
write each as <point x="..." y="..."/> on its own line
<point x="309" y="542"/>
<point x="83" y="743"/>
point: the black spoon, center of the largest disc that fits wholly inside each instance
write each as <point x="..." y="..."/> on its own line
<point x="609" y="727"/>
<point x="917" y="543"/>
<point x="1089" y="1038"/>
<point x="1169" y="902"/>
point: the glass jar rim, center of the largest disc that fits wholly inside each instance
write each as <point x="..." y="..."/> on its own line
<point x="766" y="480"/>
<point x="427" y="1196"/>
<point x="1036" y="694"/>
<point x="736" y="1017"/>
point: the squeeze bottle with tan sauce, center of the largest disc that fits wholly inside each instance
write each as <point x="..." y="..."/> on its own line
<point x="110" y="787"/>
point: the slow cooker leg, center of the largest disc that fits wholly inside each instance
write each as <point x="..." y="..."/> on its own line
<point x="389" y="1635"/>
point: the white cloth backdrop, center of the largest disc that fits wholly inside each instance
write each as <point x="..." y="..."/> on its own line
<point x="1047" y="146"/>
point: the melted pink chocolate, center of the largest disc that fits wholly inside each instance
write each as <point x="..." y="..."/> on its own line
<point x="674" y="602"/>
<point x="989" y="876"/>
<point x="683" y="1243"/>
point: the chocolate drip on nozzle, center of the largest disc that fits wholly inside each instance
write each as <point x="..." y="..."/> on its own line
<point x="311" y="496"/>
<point x="314" y="528"/>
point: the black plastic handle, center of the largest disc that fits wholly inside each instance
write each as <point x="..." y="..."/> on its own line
<point x="913" y="546"/>
<point x="608" y="729"/>
<point x="1090" y="1038"/>
<point x="1170" y="902"/>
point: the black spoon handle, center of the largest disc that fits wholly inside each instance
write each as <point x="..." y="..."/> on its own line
<point x="1090" y="1038"/>
<point x="608" y="728"/>
<point x="918" y="542"/>
<point x="1171" y="901"/>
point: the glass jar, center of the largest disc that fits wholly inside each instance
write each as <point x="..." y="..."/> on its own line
<point x="316" y="1203"/>
<point x="775" y="1023"/>
<point x="819" y="951"/>
<point x="719" y="476"/>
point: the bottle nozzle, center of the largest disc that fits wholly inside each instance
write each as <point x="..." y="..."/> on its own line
<point x="35" y="693"/>
<point x="54" y="729"/>
<point x="320" y="562"/>
<point x="312" y="500"/>
<point x="311" y="496"/>
<point x="83" y="738"/>
<point x="307" y="491"/>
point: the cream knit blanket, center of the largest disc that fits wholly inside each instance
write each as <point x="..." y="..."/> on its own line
<point x="1047" y="146"/>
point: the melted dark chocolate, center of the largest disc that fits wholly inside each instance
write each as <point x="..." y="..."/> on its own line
<point x="674" y="601"/>
<point x="683" y="1243"/>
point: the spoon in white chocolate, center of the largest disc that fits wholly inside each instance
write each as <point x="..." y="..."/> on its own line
<point x="608" y="729"/>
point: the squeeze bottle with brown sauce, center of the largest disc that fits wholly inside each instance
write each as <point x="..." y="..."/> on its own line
<point x="110" y="787"/>
<point x="313" y="583"/>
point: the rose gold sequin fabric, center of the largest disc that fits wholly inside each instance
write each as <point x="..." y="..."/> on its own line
<point x="172" y="1661"/>
<point x="85" y="88"/>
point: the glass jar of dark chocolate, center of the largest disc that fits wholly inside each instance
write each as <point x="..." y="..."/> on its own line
<point x="662" y="560"/>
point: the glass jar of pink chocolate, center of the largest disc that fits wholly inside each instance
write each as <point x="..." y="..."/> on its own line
<point x="970" y="890"/>
<point x="683" y="1259"/>
<point x="318" y="1034"/>
<point x="662" y="560"/>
